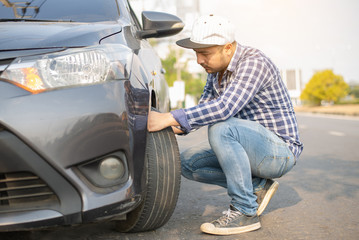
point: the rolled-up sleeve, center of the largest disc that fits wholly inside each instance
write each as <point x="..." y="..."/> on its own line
<point x="180" y="117"/>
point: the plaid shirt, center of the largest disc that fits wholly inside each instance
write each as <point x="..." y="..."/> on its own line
<point x="252" y="89"/>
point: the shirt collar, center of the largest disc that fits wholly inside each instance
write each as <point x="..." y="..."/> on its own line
<point x="233" y="63"/>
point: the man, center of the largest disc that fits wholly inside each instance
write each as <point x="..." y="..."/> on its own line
<point x="252" y="128"/>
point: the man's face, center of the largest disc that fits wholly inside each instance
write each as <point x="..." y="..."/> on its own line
<point x="212" y="59"/>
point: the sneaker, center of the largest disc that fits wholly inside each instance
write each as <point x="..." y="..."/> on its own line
<point x="265" y="195"/>
<point x="233" y="222"/>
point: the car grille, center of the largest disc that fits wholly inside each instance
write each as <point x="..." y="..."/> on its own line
<point x="24" y="190"/>
<point x="4" y="63"/>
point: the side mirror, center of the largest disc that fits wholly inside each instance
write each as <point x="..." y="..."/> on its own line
<point x="158" y="24"/>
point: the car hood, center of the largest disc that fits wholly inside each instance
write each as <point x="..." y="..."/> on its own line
<point x="30" y="35"/>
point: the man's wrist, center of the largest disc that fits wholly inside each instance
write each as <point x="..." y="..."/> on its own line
<point x="180" y="116"/>
<point x="171" y="120"/>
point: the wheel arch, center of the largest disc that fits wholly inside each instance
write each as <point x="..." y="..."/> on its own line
<point x="153" y="99"/>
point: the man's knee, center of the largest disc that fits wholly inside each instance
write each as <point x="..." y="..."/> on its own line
<point x="217" y="130"/>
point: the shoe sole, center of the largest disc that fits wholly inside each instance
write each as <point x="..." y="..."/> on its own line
<point x="211" y="229"/>
<point x="271" y="191"/>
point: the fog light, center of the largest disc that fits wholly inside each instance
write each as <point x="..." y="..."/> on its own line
<point x="112" y="168"/>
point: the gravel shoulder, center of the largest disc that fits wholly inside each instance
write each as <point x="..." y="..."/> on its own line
<point x="347" y="110"/>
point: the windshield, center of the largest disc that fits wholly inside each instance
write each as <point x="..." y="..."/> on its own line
<point x="59" y="10"/>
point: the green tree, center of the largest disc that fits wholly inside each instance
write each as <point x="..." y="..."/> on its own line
<point x="169" y="64"/>
<point x="193" y="83"/>
<point x="324" y="86"/>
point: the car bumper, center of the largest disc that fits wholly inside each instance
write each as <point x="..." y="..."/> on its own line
<point x="40" y="181"/>
<point x="35" y="195"/>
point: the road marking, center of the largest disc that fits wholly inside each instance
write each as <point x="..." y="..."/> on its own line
<point x="339" y="134"/>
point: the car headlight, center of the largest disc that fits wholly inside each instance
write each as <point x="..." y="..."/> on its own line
<point x="69" y="68"/>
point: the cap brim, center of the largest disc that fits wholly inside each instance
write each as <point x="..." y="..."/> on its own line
<point x="187" y="43"/>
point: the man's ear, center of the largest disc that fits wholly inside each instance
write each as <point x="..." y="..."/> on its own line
<point x="228" y="48"/>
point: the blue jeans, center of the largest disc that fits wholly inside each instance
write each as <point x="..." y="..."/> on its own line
<point x="239" y="155"/>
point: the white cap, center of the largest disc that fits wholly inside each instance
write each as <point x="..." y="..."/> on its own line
<point x="209" y="31"/>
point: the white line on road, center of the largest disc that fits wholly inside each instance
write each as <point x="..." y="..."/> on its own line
<point x="339" y="134"/>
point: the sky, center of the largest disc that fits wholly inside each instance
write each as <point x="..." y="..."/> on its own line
<point x="310" y="35"/>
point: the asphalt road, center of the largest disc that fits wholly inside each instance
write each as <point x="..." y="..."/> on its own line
<point x="316" y="200"/>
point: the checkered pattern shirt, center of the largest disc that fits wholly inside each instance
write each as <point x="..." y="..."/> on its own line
<point x="252" y="89"/>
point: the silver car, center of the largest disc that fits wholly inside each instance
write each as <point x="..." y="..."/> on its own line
<point x="77" y="80"/>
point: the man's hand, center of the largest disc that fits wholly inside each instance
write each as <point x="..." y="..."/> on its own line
<point x="158" y="121"/>
<point x="176" y="130"/>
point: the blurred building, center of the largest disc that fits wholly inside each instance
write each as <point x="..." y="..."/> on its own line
<point x="188" y="11"/>
<point x="293" y="80"/>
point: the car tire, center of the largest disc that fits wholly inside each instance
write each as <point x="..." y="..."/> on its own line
<point x="163" y="184"/>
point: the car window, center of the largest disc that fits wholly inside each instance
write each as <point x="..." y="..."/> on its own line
<point x="59" y="10"/>
<point x="134" y="18"/>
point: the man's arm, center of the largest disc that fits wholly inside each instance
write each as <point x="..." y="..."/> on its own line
<point x="207" y="90"/>
<point x="245" y="83"/>
<point x="158" y="121"/>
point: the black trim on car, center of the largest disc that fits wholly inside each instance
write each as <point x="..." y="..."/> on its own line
<point x="4" y="63"/>
<point x="112" y="210"/>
